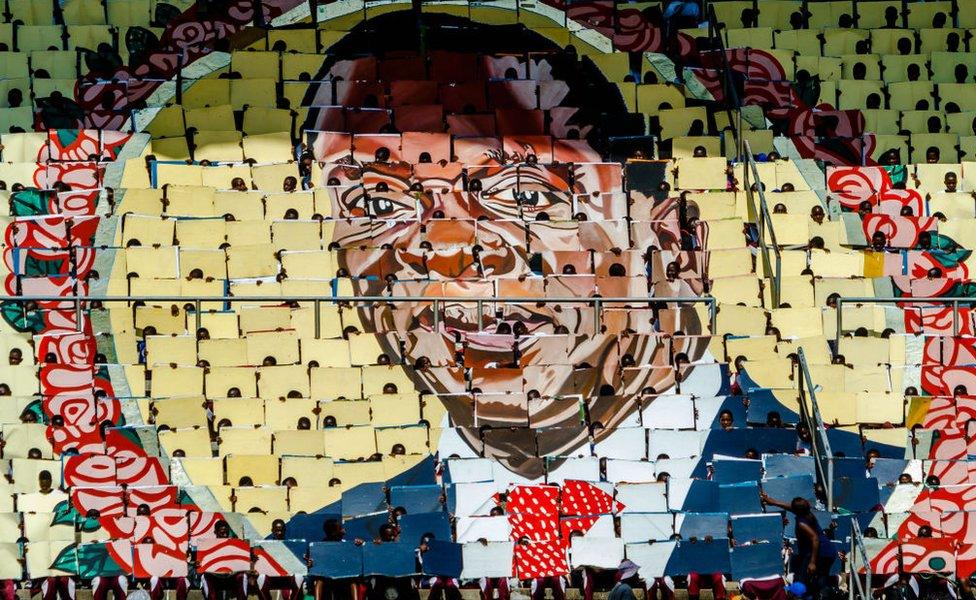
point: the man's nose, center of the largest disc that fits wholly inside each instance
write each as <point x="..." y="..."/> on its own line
<point x="503" y="262"/>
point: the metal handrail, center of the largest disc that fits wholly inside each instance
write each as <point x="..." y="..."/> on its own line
<point x="810" y="414"/>
<point x="764" y="222"/>
<point x="437" y="301"/>
<point x="955" y="301"/>
<point x="858" y="548"/>
<point x="732" y="101"/>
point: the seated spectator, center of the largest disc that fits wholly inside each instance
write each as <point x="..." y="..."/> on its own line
<point x="951" y="181"/>
<point x="627" y="580"/>
<point x="768" y="588"/>
<point x="218" y="585"/>
<point x="289" y="585"/>
<point x="441" y="588"/>
<point x="716" y="581"/>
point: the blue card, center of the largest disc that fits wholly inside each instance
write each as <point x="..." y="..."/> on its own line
<point x="443" y="559"/>
<point x="417" y="498"/>
<point x="395" y="559"/>
<point x="414" y="527"/>
<point x="757" y="560"/>
<point x="698" y="525"/>
<point x="336" y="560"/>
<point x="699" y="557"/>
<point x="760" y="528"/>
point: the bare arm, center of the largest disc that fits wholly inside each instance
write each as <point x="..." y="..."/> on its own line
<point x="765" y="499"/>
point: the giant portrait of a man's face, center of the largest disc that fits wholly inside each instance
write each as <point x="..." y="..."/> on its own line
<point x="468" y="174"/>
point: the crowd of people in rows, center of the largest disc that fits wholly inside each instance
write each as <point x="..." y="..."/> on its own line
<point x="811" y="562"/>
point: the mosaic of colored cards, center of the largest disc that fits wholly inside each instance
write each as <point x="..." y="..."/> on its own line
<point x="377" y="300"/>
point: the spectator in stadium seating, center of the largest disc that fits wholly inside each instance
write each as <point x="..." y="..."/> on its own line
<point x="879" y="241"/>
<point x="61" y="587"/>
<point x="764" y="588"/>
<point x="8" y="589"/>
<point x="739" y="364"/>
<point x="441" y="588"/>
<point x="216" y="585"/>
<point x="682" y="14"/>
<point x="897" y="172"/>
<point x="117" y="584"/>
<point x="489" y="585"/>
<point x="157" y="586"/>
<point x="238" y="184"/>
<point x="290" y="585"/>
<point x="815" y="553"/>
<point x="726" y="420"/>
<point x="382" y="587"/>
<point x="290" y="184"/>
<point x="967" y="587"/>
<point x="626" y="580"/>
<point x="804" y="440"/>
<point x="715" y="581"/>
<point x="951" y="182"/>
<point x="555" y="583"/>
<point x="660" y="585"/>
<point x="870" y="456"/>
<point x="305" y="169"/>
<point x="326" y="588"/>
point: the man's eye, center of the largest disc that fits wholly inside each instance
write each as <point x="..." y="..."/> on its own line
<point x="528" y="198"/>
<point x="379" y="206"/>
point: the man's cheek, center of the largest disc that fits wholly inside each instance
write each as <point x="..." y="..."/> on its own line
<point x="502" y="234"/>
<point x="504" y="263"/>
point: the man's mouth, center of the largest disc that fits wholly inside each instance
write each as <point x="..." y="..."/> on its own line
<point x="459" y="323"/>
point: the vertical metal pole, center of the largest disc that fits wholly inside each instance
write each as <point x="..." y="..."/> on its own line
<point x="597" y="313"/>
<point x="746" y="172"/>
<point x="316" y="306"/>
<point x="78" y="314"/>
<point x="830" y="484"/>
<point x="840" y="322"/>
<point x="481" y="314"/>
<point x="800" y="388"/>
<point x="777" y="289"/>
<point x="851" y="569"/>
<point x="197" y="306"/>
<point x="437" y="315"/>
<point x="713" y="316"/>
<point x="739" y="138"/>
<point x="955" y="318"/>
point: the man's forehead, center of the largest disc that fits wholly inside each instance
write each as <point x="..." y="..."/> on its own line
<point x="424" y="148"/>
<point x="447" y="66"/>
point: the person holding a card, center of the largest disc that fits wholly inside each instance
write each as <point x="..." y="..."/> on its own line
<point x="217" y="586"/>
<point x="327" y="588"/>
<point x="816" y="552"/>
<point x="627" y="580"/>
<point x="440" y="587"/>
<point x="488" y="585"/>
<point x="290" y="585"/>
